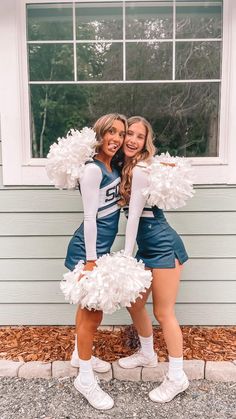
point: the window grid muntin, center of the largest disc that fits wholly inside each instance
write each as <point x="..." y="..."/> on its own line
<point x="174" y="36"/>
<point x="124" y="41"/>
<point x="74" y="41"/>
<point x="137" y="81"/>
<point x="174" y="4"/>
<point x="127" y="81"/>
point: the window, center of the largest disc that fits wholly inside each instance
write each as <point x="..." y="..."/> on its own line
<point x="166" y="60"/>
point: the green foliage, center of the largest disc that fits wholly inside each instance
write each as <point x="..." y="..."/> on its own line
<point x="184" y="115"/>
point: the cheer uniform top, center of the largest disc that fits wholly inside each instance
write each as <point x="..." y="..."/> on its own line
<point x="158" y="243"/>
<point x="100" y="193"/>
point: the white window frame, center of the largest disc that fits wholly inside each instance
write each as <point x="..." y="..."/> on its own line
<point x="18" y="166"/>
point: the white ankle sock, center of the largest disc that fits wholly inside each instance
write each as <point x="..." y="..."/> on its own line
<point x="86" y="374"/>
<point x="147" y="346"/>
<point x="176" y="371"/>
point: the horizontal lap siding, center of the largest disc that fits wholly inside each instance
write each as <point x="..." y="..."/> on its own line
<point x="197" y="269"/>
<point x="64" y="224"/>
<point x="1" y="182"/>
<point x="41" y="247"/>
<point x="36" y="225"/>
<point x="58" y="314"/>
<point x="210" y="198"/>
<point x="48" y="292"/>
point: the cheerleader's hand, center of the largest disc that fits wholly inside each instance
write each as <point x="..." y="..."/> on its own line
<point x="89" y="265"/>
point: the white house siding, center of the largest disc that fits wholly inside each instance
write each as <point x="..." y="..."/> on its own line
<point x="1" y="163"/>
<point x="36" y="225"/>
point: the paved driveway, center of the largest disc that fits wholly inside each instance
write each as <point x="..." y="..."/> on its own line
<point x="57" y="399"/>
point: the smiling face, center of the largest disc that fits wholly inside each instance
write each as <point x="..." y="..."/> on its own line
<point x="135" y="139"/>
<point x="113" y="138"/>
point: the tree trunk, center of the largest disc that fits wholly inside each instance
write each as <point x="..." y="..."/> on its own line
<point x="43" y="125"/>
<point x="213" y="136"/>
<point x="34" y="139"/>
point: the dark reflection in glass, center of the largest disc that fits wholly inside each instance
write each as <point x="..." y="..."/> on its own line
<point x="49" y="22"/>
<point x="100" y="61"/>
<point x="149" y="61"/>
<point x="184" y="115"/>
<point x="198" y="60"/>
<point x="199" y="21"/>
<point x="50" y="62"/>
<point x="99" y="21"/>
<point x="150" y="20"/>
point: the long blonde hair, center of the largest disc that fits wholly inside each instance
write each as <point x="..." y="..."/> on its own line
<point x="145" y="154"/>
<point x="104" y="123"/>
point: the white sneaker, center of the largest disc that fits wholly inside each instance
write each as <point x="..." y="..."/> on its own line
<point x="138" y="360"/>
<point x="169" y="389"/>
<point x="98" y="364"/>
<point x="98" y="398"/>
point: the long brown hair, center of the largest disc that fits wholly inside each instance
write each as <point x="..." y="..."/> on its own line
<point x="145" y="154"/>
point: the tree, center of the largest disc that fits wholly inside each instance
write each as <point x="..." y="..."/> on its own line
<point x="184" y="115"/>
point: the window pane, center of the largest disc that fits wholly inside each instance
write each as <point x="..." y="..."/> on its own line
<point x="99" y="21"/>
<point x="153" y="20"/>
<point x="199" y="21"/>
<point x="149" y="61"/>
<point x="100" y="61"/>
<point x="51" y="62"/>
<point x="184" y="116"/>
<point x="198" y="60"/>
<point x="49" y="22"/>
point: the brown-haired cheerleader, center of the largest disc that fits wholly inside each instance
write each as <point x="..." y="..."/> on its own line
<point x="99" y="187"/>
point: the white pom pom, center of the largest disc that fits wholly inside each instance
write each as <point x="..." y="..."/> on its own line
<point x="170" y="182"/>
<point x="69" y="286"/>
<point x="67" y="157"/>
<point x="115" y="282"/>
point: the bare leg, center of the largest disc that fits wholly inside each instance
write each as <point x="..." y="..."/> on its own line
<point x="165" y="287"/>
<point x="142" y="322"/>
<point x="77" y="323"/>
<point x="88" y="324"/>
<point x="85" y="382"/>
<point x="140" y="317"/>
<point x="98" y="365"/>
<point x="78" y="319"/>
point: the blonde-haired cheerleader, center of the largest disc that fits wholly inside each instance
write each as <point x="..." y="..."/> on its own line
<point x="162" y="251"/>
<point x="99" y="187"/>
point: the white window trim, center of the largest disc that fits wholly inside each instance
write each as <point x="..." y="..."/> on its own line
<point x="20" y="169"/>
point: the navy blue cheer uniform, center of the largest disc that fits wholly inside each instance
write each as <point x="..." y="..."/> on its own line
<point x="106" y="217"/>
<point x="158" y="243"/>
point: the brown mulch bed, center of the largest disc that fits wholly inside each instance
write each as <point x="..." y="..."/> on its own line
<point x="50" y="343"/>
